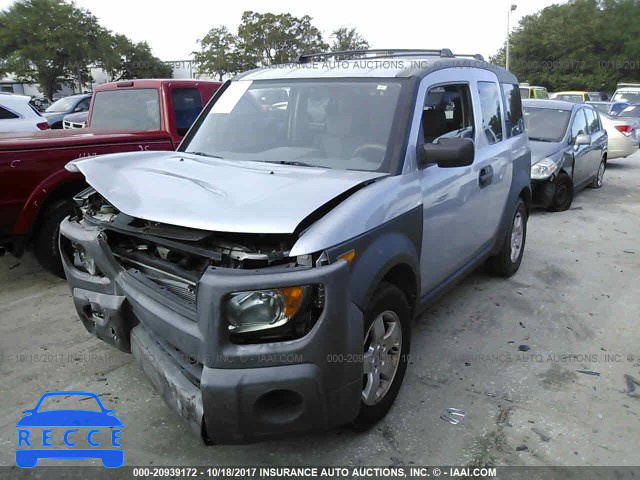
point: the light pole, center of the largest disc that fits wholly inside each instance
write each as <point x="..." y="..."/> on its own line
<point x="513" y="7"/>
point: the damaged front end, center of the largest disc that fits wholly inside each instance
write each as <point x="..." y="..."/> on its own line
<point x="235" y="333"/>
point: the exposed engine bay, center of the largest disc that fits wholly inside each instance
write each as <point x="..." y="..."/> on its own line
<point x="176" y="257"/>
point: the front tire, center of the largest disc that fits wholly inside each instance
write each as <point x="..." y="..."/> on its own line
<point x="508" y="259"/>
<point x="387" y="340"/>
<point x="563" y="196"/>
<point x="45" y="240"/>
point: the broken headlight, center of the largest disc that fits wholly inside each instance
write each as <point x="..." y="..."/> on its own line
<point x="83" y="261"/>
<point x="543" y="169"/>
<point x="272" y="314"/>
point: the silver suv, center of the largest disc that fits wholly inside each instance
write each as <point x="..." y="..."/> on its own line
<point x="266" y="274"/>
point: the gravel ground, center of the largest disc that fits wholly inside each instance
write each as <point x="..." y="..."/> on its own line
<point x="573" y="306"/>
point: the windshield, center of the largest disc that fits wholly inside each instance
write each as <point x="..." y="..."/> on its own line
<point x="570" y="98"/>
<point x="632" y="111"/>
<point x="319" y="123"/>
<point x="627" y="96"/>
<point x="136" y="109"/>
<point x="546" y="124"/>
<point x="62" y="105"/>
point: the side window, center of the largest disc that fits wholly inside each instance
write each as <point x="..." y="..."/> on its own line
<point x="513" y="118"/>
<point x="6" y="114"/>
<point x="579" y="125"/>
<point x="491" y="111"/>
<point x="187" y="105"/>
<point x="592" y="120"/>
<point x="447" y="113"/>
<point x="83" y="105"/>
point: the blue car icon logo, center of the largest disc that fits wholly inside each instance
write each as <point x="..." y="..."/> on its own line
<point x="32" y="446"/>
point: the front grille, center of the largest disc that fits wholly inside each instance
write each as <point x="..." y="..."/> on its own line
<point x="170" y="281"/>
<point x="182" y="289"/>
<point x="67" y="125"/>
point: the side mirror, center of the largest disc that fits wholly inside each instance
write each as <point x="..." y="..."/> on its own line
<point x="448" y="153"/>
<point x="582" y="139"/>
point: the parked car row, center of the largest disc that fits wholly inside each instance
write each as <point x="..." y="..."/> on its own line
<point x="619" y="119"/>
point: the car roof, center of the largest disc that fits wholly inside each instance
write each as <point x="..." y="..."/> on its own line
<point x="573" y="92"/>
<point x="553" y="104"/>
<point x="152" y="83"/>
<point x="14" y="99"/>
<point x="396" y="66"/>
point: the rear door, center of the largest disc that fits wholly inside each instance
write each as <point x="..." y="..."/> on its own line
<point x="598" y="139"/>
<point x="496" y="148"/>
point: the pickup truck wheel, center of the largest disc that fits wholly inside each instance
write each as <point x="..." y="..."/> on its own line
<point x="508" y="259"/>
<point x="387" y="339"/>
<point x="45" y="240"/>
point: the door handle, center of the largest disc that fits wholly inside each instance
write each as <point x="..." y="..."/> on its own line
<point x="486" y="175"/>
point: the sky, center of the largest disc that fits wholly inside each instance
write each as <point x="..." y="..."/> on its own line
<point x="172" y="29"/>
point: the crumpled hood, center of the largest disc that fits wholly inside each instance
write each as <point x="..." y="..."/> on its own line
<point x="214" y="194"/>
<point x="540" y="150"/>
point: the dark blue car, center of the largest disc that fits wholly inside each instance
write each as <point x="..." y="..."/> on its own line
<point x="72" y="418"/>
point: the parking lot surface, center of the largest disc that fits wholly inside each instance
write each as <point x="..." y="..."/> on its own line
<point x="544" y="360"/>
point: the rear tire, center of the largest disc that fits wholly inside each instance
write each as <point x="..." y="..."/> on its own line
<point x="508" y="259"/>
<point x="387" y="340"/>
<point x="598" y="181"/>
<point x="563" y="197"/>
<point x="45" y="240"/>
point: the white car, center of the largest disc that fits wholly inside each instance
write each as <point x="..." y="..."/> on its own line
<point x="623" y="133"/>
<point x="17" y="115"/>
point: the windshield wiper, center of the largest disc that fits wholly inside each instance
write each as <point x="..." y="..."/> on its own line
<point x="290" y="162"/>
<point x="203" y="154"/>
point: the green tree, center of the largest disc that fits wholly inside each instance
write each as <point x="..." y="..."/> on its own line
<point x="345" y="38"/>
<point x="127" y="60"/>
<point x="50" y="42"/>
<point x="219" y="54"/>
<point x="268" y="39"/>
<point x="583" y="44"/>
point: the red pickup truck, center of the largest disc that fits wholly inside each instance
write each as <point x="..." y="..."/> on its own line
<point x="36" y="192"/>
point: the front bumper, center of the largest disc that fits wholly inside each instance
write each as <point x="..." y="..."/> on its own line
<point x="543" y="191"/>
<point x="228" y="393"/>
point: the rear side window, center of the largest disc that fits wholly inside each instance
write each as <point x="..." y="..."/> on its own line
<point x="513" y="119"/>
<point x="524" y="92"/>
<point x="130" y="109"/>
<point x="491" y="111"/>
<point x="186" y="108"/>
<point x="6" y="114"/>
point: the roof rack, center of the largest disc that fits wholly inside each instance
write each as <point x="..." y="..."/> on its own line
<point x="309" y="57"/>
<point x="475" y="56"/>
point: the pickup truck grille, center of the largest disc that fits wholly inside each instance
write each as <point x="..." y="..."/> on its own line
<point x="67" y="125"/>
